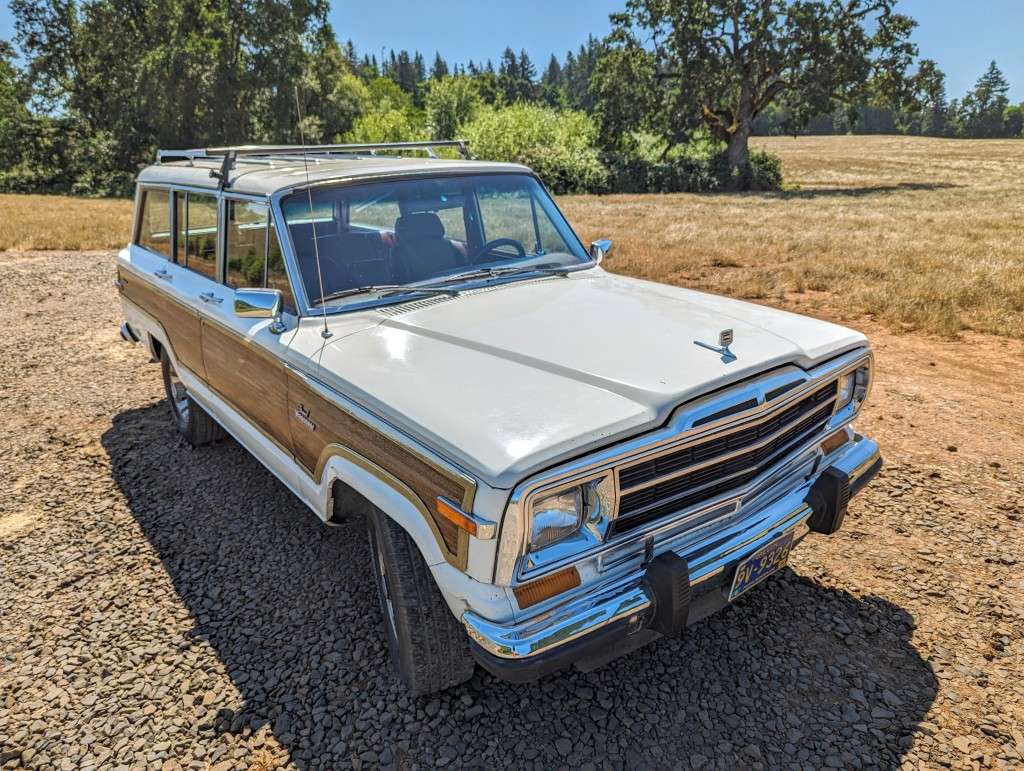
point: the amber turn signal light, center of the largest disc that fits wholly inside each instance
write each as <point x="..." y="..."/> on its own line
<point x="455" y="515"/>
<point x="547" y="587"/>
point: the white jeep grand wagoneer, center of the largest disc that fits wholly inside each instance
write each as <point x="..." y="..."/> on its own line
<point x="556" y="464"/>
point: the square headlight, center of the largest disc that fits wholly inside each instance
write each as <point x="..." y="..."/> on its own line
<point x="585" y="510"/>
<point x="853" y="387"/>
<point x="555" y="516"/>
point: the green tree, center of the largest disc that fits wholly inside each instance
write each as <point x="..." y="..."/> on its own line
<point x="552" y="89"/>
<point x="561" y="146"/>
<point x="578" y="73"/>
<point x="384" y="126"/>
<point x="930" y="91"/>
<point x="334" y="96"/>
<point x="1013" y="120"/>
<point x="516" y="75"/>
<point x="14" y="114"/>
<point x="439" y="68"/>
<point x="676" y="66"/>
<point x="982" y="109"/>
<point x="138" y="74"/>
<point x="451" y="102"/>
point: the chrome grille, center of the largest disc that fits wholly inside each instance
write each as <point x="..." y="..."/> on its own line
<point x="708" y="469"/>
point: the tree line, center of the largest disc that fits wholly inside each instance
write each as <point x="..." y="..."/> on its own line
<point x="667" y="101"/>
<point x="985" y="112"/>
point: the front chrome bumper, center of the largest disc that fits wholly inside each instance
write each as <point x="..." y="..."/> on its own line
<point x="625" y="603"/>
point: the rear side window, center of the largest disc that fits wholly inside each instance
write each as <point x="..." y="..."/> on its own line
<point x="155" y="222"/>
<point x="201" y="234"/>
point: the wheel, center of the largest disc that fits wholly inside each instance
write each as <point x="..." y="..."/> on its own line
<point x="192" y="421"/>
<point x="428" y="646"/>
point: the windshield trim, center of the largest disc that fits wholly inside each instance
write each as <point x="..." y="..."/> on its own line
<point x="302" y="299"/>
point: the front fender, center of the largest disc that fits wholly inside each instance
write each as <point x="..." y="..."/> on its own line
<point x="392" y="496"/>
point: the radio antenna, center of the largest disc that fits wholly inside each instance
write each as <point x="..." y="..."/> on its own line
<point x="325" y="332"/>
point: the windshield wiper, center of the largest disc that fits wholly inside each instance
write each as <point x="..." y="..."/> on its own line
<point x="498" y="272"/>
<point x="385" y="290"/>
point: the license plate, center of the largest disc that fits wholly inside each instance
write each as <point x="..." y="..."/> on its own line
<point x="761" y="564"/>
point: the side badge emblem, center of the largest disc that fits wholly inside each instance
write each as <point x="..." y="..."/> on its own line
<point x="302" y="415"/>
<point x="724" y="341"/>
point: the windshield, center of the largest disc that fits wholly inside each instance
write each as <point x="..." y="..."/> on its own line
<point x="422" y="231"/>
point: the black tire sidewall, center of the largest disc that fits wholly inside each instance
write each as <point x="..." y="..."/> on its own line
<point x="383" y="584"/>
<point x="183" y="426"/>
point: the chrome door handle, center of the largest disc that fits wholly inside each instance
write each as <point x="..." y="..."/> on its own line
<point x="210" y="297"/>
<point x="163" y="275"/>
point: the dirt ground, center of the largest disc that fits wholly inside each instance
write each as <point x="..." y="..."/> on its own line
<point x="168" y="607"/>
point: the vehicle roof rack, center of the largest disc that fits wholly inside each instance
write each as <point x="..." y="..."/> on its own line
<point x="264" y="153"/>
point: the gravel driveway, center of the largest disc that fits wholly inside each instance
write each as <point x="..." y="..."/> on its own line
<point x="169" y="607"/>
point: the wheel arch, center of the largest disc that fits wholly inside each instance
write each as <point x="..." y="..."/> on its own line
<point x="346" y="471"/>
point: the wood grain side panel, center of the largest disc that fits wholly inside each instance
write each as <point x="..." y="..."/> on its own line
<point x="251" y="379"/>
<point x="335" y="426"/>
<point x="180" y="322"/>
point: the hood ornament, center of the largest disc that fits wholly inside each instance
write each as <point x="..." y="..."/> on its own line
<point x="724" y="341"/>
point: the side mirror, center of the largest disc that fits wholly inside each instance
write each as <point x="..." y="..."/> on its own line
<point x="261" y="304"/>
<point x="600" y="249"/>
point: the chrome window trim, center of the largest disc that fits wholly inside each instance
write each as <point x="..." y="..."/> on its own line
<point x="677" y="433"/>
<point x="291" y="262"/>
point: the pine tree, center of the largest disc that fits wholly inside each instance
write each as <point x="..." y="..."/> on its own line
<point x="440" y="67"/>
<point x="981" y="111"/>
<point x="551" y="91"/>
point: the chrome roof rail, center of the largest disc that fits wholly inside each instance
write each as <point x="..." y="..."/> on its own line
<point x="243" y="152"/>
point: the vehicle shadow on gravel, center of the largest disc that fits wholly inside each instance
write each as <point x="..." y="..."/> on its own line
<point x="286" y="652"/>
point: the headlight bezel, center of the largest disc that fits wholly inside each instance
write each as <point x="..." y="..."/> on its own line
<point x="598" y="498"/>
<point x="853" y="388"/>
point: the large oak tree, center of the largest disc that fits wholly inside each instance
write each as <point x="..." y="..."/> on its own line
<point x="674" y="66"/>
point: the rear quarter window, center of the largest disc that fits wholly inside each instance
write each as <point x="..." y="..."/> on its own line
<point x="154" y="230"/>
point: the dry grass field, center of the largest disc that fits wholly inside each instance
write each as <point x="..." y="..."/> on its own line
<point x="46" y="222"/>
<point x="919" y="234"/>
<point x="923" y="234"/>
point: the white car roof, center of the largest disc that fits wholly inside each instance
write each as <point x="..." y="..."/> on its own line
<point x="267" y="176"/>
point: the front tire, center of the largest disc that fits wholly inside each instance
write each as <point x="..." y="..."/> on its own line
<point x="191" y="420"/>
<point x="429" y="648"/>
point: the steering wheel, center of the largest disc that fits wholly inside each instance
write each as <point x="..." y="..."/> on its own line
<point x="490" y="246"/>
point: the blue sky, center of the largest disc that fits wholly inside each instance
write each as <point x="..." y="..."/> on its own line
<point x="961" y="35"/>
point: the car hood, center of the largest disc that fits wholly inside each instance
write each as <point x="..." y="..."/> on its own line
<point x="510" y="379"/>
